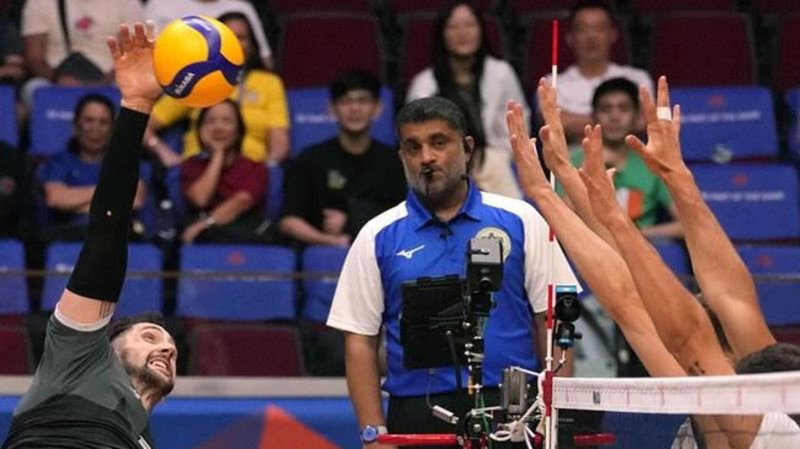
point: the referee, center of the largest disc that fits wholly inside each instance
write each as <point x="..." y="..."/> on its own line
<point x="96" y="384"/>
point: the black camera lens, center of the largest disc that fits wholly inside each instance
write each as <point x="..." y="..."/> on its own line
<point x="568" y="308"/>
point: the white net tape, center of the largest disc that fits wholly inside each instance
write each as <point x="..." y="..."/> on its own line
<point x="755" y="393"/>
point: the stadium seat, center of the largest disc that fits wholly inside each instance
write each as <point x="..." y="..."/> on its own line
<point x="51" y="115"/>
<point x="9" y="131"/>
<point x="723" y="57"/>
<point x="538" y="47"/>
<point x="311" y="121"/>
<point x="213" y="291"/>
<point x="403" y="7"/>
<point x="15" y="351"/>
<point x="321" y="265"/>
<point x="776" y="6"/>
<point x="752" y="202"/>
<point x="416" y="48"/>
<point x="787" y="63"/>
<point x="245" y="349"/>
<point x="779" y="300"/>
<point x="317" y="47"/>
<point x="646" y="7"/>
<point x="526" y="7"/>
<point x="726" y="123"/>
<point x="283" y="7"/>
<point x="675" y="256"/>
<point x="13" y="289"/>
<point x="139" y="295"/>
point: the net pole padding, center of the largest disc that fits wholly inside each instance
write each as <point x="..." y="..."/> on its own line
<point x="708" y="395"/>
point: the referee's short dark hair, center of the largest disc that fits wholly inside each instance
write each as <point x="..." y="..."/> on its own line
<point x="432" y="108"/>
<point x="354" y="80"/>
<point x="119" y="326"/>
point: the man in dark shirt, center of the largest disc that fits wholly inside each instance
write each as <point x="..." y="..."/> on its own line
<point x="336" y="186"/>
<point x="96" y="384"/>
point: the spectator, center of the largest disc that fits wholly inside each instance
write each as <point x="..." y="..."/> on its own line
<point x="15" y="194"/>
<point x="163" y="12"/>
<point x="68" y="46"/>
<point x="591" y="35"/>
<point x="261" y="100"/>
<point x="69" y="178"/>
<point x="615" y="106"/>
<point x="480" y="84"/>
<point x="336" y="186"/>
<point x="224" y="190"/>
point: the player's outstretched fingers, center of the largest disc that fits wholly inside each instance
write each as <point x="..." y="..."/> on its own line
<point x="125" y="41"/>
<point x="648" y="104"/>
<point x="113" y="47"/>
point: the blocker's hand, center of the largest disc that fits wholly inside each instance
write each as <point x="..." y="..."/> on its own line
<point x="133" y="66"/>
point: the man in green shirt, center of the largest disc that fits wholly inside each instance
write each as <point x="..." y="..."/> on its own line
<point x="615" y="106"/>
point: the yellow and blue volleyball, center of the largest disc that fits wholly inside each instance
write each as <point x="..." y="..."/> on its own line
<point x="198" y="60"/>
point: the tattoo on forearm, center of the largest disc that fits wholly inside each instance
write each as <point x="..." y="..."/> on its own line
<point x="696" y="370"/>
<point x="106" y="309"/>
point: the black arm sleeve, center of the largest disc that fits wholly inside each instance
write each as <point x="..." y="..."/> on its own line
<point x="100" y="270"/>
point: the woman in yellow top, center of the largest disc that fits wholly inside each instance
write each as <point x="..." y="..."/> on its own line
<point x="261" y="99"/>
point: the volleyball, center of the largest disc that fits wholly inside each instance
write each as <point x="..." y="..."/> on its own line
<point x="198" y="60"/>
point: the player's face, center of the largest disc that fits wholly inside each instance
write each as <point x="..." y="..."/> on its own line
<point x="462" y="32"/>
<point x="591" y="35"/>
<point x="435" y="158"/>
<point x="93" y="128"/>
<point x="220" y="127"/>
<point x="242" y="31"/>
<point x="616" y="113"/>
<point x="356" y="110"/>
<point x="149" y="355"/>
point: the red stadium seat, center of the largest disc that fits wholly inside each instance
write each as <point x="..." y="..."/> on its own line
<point x="245" y="349"/>
<point x="525" y="7"/>
<point x="787" y="334"/>
<point x="776" y="6"/>
<point x="403" y="7"/>
<point x="15" y="351"/>
<point x="294" y="6"/>
<point x="645" y="7"/>
<point x="536" y="51"/>
<point x="317" y="47"/>
<point x="722" y="57"/>
<point x="418" y="38"/>
<point x="787" y="70"/>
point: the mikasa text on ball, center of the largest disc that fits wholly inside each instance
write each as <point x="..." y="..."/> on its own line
<point x="198" y="60"/>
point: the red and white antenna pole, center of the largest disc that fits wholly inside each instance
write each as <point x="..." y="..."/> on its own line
<point x="547" y="386"/>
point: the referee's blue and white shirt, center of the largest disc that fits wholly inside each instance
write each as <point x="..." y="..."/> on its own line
<point x="408" y="242"/>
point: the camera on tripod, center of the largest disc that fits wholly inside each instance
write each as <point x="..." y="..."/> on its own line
<point x="567" y="310"/>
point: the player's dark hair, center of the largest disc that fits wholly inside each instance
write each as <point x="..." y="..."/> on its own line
<point x="237" y="143"/>
<point x="351" y="80"/>
<point x="119" y="326"/>
<point x="615" y="85"/>
<point x="590" y="4"/>
<point x="774" y="358"/>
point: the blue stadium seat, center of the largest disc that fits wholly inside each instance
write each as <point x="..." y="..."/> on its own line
<point x="725" y="123"/>
<point x="312" y="123"/>
<point x="138" y="295"/>
<point x="675" y="256"/>
<point x="752" y="202"/>
<point x="779" y="298"/>
<point x="51" y="115"/>
<point x="9" y="131"/>
<point x="13" y="290"/>
<point x="322" y="265"/>
<point x="270" y="297"/>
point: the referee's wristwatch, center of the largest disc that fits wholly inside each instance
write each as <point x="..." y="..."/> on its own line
<point x="369" y="433"/>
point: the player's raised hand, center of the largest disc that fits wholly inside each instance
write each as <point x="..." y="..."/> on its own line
<point x="133" y="65"/>
<point x="531" y="175"/>
<point x="662" y="153"/>
<point x="554" y="141"/>
<point x="598" y="181"/>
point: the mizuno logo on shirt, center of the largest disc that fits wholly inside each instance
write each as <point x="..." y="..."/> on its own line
<point x="409" y="253"/>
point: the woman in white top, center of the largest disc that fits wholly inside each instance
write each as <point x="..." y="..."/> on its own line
<point x="480" y="84"/>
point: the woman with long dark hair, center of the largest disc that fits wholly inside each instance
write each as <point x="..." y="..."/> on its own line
<point x="464" y="72"/>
